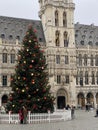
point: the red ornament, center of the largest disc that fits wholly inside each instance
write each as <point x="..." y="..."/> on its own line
<point x="24" y="78"/>
<point x="45" y="98"/>
<point x="30" y="66"/>
<point x="11" y="98"/>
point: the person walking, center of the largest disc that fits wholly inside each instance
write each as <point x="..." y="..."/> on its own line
<point x="21" y="116"/>
<point x="72" y="112"/>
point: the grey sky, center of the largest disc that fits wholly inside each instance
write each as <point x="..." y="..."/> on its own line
<point x="85" y="10"/>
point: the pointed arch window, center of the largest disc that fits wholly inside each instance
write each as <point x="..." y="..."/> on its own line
<point x="92" y="60"/>
<point x="58" y="59"/>
<point x="57" y="37"/>
<point x="64" y="19"/>
<point x="65" y="39"/>
<point x="85" y="60"/>
<point x="93" y="77"/>
<point x="66" y="59"/>
<point x="56" y="18"/>
<point x="96" y="60"/>
<point x="58" y="79"/>
<point x="81" y="78"/>
<point x="86" y="77"/>
<point x="80" y="60"/>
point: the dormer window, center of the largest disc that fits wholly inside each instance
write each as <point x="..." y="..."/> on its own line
<point x="10" y="37"/>
<point x="3" y="36"/>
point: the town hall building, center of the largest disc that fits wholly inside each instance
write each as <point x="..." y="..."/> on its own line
<point x="71" y="52"/>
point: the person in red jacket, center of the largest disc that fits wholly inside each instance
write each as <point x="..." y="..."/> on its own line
<point x="21" y="116"/>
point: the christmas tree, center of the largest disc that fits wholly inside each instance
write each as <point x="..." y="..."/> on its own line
<point x="29" y="84"/>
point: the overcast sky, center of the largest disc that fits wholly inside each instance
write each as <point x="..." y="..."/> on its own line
<point x="85" y="10"/>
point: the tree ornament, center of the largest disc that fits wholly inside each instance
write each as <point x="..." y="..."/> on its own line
<point x="11" y="98"/>
<point x="29" y="41"/>
<point x="32" y="61"/>
<point x="30" y="66"/>
<point x="23" y="90"/>
<point x="45" y="98"/>
<point x="27" y="50"/>
<point x="38" y="99"/>
<point x="18" y="77"/>
<point x="29" y="96"/>
<point x="24" y="78"/>
<point x="24" y="62"/>
<point x="37" y="90"/>
<point x="13" y="105"/>
<point x="32" y="74"/>
<point x="27" y="88"/>
<point x="42" y="68"/>
<point x="17" y="88"/>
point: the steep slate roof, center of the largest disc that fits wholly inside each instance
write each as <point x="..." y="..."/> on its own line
<point x="86" y="35"/>
<point x="16" y="27"/>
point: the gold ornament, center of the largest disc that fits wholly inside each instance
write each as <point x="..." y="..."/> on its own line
<point x="24" y="62"/>
<point x="16" y="88"/>
<point x="30" y="41"/>
<point x="23" y="90"/>
<point x="18" y="77"/>
<point x="13" y="105"/>
<point x="32" y="74"/>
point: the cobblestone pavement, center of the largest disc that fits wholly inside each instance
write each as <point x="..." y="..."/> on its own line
<point x="83" y="121"/>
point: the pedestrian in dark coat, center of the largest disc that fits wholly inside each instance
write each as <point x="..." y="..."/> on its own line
<point x="72" y="112"/>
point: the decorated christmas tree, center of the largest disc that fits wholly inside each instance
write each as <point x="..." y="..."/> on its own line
<point x="29" y="84"/>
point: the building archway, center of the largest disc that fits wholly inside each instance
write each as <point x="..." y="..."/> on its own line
<point x="62" y="98"/>
<point x="81" y="99"/>
<point x="4" y="99"/>
<point x="90" y="98"/>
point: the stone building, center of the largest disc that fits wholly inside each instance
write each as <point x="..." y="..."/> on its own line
<point x="70" y="49"/>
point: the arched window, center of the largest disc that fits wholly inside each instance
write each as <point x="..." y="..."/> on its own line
<point x="85" y="60"/>
<point x="4" y="99"/>
<point x="64" y="19"/>
<point x="92" y="60"/>
<point x="57" y="41"/>
<point x="80" y="60"/>
<point x="86" y="77"/>
<point x="56" y="18"/>
<point x="81" y="78"/>
<point x="96" y="60"/>
<point x="65" y="39"/>
<point x="58" y="59"/>
<point x="4" y="56"/>
<point x="12" y="57"/>
<point x="93" y="77"/>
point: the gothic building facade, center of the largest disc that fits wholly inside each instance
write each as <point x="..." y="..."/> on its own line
<point x="71" y="52"/>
